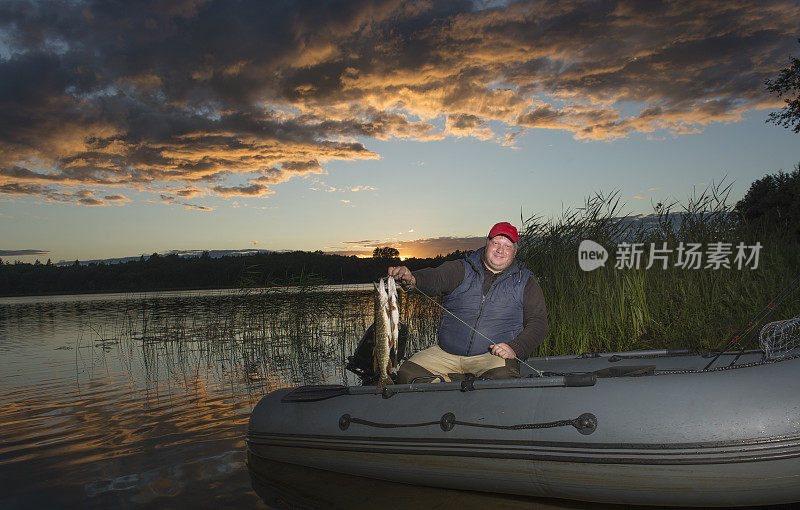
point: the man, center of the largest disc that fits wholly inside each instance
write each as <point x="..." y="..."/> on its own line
<point x="491" y="292"/>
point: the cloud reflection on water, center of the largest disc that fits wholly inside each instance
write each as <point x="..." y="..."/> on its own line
<point x="139" y="402"/>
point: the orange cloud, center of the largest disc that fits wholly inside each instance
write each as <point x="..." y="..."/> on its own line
<point x="291" y="88"/>
<point x="420" y="248"/>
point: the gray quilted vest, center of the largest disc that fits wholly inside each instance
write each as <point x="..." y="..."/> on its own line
<point x="498" y="315"/>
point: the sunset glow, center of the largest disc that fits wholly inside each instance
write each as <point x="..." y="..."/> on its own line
<point x="342" y="127"/>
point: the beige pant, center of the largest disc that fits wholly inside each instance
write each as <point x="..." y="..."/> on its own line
<point x="439" y="362"/>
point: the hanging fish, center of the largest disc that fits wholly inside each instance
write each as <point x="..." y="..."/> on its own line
<point x="394" y="319"/>
<point x="383" y="334"/>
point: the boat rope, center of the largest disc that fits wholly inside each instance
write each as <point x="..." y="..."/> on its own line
<point x="459" y="319"/>
<point x="585" y="423"/>
<point x="760" y="316"/>
<point x="725" y="367"/>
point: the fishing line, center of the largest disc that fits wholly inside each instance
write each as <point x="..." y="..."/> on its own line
<point x="456" y="317"/>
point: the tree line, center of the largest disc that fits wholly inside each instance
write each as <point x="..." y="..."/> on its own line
<point x="171" y="272"/>
<point x="771" y="203"/>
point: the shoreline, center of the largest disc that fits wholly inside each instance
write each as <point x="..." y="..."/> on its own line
<point x="149" y="294"/>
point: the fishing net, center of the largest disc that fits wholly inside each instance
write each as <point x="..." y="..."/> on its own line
<point x="778" y="338"/>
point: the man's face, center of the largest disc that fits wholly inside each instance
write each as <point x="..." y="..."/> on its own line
<point x="499" y="253"/>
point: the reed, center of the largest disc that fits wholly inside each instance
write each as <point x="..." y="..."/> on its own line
<point x="612" y="309"/>
<point x="261" y="339"/>
<point x="274" y="337"/>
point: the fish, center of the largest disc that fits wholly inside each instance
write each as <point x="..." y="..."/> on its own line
<point x="394" y="319"/>
<point x="381" y="363"/>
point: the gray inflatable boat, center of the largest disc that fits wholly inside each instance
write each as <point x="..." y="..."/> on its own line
<point x="644" y="427"/>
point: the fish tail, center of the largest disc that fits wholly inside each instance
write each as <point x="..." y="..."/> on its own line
<point x="384" y="381"/>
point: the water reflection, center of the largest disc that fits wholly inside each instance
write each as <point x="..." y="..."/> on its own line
<point x="285" y="486"/>
<point x="290" y="487"/>
<point x="144" y="402"/>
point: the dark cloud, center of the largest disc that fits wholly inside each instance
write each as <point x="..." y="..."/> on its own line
<point x="188" y="192"/>
<point x="9" y="253"/>
<point x="17" y="188"/>
<point x="91" y="202"/>
<point x="540" y="117"/>
<point x="465" y="124"/>
<point x="465" y="121"/>
<point x="196" y="96"/>
<point x="82" y="196"/>
<point x="365" y="242"/>
<point x="301" y="166"/>
<point x="169" y="199"/>
<point x="254" y="190"/>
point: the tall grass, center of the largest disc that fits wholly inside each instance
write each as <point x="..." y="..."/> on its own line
<point x="263" y="339"/>
<point x="612" y="309"/>
<point x="274" y="337"/>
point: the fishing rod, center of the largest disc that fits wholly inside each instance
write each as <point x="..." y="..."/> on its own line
<point x="459" y="319"/>
<point x="760" y="316"/>
<point x="752" y="335"/>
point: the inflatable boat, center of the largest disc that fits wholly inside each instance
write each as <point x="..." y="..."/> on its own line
<point x="662" y="427"/>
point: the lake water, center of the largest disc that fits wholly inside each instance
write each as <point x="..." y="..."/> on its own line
<point x="142" y="400"/>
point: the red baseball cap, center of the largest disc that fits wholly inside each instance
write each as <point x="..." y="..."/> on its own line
<point x="504" y="228"/>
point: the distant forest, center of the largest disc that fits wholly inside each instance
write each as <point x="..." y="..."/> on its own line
<point x="171" y="272"/>
<point x="772" y="204"/>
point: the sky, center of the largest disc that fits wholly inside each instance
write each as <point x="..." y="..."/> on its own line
<point x="129" y="128"/>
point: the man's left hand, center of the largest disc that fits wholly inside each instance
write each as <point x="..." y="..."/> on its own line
<point x="503" y="350"/>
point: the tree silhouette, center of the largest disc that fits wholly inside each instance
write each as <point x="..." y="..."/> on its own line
<point x="172" y="272"/>
<point x="774" y="200"/>
<point x="787" y="83"/>
<point x="385" y="252"/>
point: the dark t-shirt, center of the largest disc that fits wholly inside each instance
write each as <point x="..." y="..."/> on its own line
<point x="446" y="277"/>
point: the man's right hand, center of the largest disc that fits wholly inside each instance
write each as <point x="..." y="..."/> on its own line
<point x="403" y="276"/>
